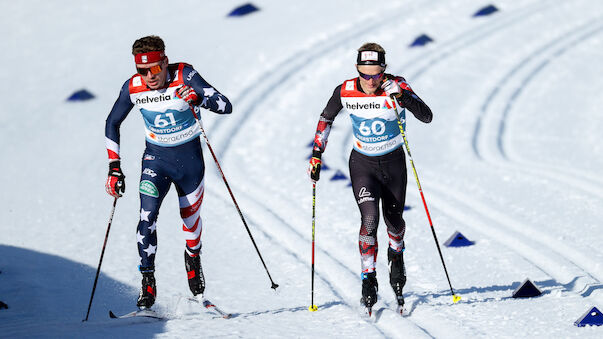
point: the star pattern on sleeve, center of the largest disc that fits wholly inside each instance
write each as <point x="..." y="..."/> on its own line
<point x="153" y="227"/>
<point x="208" y="91"/>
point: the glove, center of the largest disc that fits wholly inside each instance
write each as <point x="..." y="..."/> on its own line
<point x="315" y="164"/>
<point x="188" y="94"/>
<point x="391" y="87"/>
<point x="116" y="181"/>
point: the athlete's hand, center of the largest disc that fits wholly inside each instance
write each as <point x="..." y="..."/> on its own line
<point x="188" y="94"/>
<point x="391" y="87"/>
<point x="116" y="183"/>
<point x="315" y="164"/>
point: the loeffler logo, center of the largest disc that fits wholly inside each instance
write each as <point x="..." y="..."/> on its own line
<point x="364" y="195"/>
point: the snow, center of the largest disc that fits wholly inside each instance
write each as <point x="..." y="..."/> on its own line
<point x="512" y="160"/>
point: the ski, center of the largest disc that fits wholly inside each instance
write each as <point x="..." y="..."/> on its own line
<point x="147" y="313"/>
<point x="211" y="307"/>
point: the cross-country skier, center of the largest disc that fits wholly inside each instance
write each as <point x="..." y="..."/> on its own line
<point x="377" y="162"/>
<point x="169" y="96"/>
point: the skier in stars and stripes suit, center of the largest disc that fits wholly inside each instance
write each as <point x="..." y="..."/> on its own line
<point x="166" y="95"/>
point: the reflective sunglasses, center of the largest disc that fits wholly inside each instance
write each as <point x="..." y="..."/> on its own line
<point x="369" y="77"/>
<point x="154" y="70"/>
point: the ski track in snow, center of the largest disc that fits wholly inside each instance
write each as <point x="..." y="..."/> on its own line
<point x="277" y="217"/>
<point x="584" y="276"/>
<point x="292" y="66"/>
<point x="578" y="278"/>
<point x="530" y="250"/>
<point x="466" y="39"/>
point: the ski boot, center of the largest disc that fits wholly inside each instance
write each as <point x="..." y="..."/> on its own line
<point x="148" y="291"/>
<point x="397" y="276"/>
<point x="369" y="291"/>
<point x="196" y="281"/>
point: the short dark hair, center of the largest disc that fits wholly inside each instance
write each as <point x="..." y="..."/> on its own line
<point x="371" y="46"/>
<point x="146" y="44"/>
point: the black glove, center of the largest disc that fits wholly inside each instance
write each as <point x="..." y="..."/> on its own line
<point x="116" y="183"/>
<point x="315" y="164"/>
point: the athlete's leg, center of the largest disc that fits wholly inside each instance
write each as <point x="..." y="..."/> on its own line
<point x="189" y="184"/>
<point x="154" y="185"/>
<point x="393" y="198"/>
<point x="366" y="192"/>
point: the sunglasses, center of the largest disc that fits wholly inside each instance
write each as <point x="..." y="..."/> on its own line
<point x="369" y="77"/>
<point x="154" y="70"/>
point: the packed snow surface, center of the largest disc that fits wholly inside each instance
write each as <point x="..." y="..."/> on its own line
<point x="512" y="160"/>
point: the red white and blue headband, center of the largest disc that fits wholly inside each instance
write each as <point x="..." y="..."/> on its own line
<point x="149" y="57"/>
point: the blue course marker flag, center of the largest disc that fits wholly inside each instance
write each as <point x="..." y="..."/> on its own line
<point x="81" y="95"/>
<point x="244" y="10"/>
<point x="486" y="11"/>
<point x="527" y="289"/>
<point x="458" y="240"/>
<point x="339" y="176"/>
<point x="421" y="40"/>
<point x="592" y="317"/>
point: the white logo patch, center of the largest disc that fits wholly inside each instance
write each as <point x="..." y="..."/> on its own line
<point x="369" y="56"/>
<point x="364" y="195"/>
<point x="349" y="85"/>
<point x="137" y="82"/>
<point x="149" y="172"/>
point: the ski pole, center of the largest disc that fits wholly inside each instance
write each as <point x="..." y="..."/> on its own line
<point x="274" y="286"/>
<point x="313" y="308"/>
<point x="101" y="258"/>
<point x="455" y="298"/>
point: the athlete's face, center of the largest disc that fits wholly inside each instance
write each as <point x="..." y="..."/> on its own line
<point x="371" y="85"/>
<point x="154" y="74"/>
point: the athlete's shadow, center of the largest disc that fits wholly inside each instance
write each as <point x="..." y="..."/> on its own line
<point x="50" y="294"/>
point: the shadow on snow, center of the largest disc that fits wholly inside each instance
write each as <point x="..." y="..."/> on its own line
<point x="48" y="296"/>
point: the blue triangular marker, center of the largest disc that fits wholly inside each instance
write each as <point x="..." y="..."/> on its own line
<point x="527" y="289"/>
<point x="458" y="240"/>
<point x="592" y="317"/>
<point x="243" y="10"/>
<point x="486" y="11"/>
<point x="421" y="40"/>
<point x="81" y="95"/>
<point x="311" y="144"/>
<point x="406" y="207"/>
<point x="338" y="176"/>
<point x="350" y="184"/>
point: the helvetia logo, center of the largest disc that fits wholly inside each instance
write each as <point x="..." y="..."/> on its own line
<point x="147" y="99"/>
<point x="357" y="105"/>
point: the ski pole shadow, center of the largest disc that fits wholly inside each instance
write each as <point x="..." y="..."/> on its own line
<point x="51" y="294"/>
<point x="419" y="298"/>
<point x="286" y="310"/>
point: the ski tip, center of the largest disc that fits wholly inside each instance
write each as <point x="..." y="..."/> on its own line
<point x="112" y="315"/>
<point x="456" y="298"/>
<point x="313" y="308"/>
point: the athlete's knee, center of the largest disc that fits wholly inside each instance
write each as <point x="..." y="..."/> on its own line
<point x="369" y="223"/>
